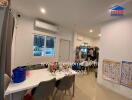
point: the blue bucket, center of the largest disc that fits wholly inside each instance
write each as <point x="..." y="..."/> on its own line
<point x="19" y="74"/>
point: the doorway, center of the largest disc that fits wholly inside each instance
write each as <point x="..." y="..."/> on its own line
<point x="64" y="51"/>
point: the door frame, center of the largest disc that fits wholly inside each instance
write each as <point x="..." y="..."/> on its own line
<point x="69" y="48"/>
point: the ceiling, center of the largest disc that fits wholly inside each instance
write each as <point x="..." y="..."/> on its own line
<point x="76" y="15"/>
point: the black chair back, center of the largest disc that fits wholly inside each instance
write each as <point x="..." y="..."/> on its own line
<point x="66" y="83"/>
<point x="44" y="90"/>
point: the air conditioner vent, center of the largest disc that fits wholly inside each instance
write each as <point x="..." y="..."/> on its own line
<point x="45" y="26"/>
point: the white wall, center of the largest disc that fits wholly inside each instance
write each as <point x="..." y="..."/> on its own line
<point x="116" y="44"/>
<point x="80" y="39"/>
<point x="96" y="42"/>
<point x="22" y="46"/>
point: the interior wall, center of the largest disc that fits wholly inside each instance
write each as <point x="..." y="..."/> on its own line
<point x="80" y="39"/>
<point x="116" y="44"/>
<point x="96" y="42"/>
<point x="22" y="46"/>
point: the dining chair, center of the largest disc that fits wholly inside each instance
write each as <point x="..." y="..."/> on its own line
<point x="7" y="80"/>
<point x="64" y="85"/>
<point x="45" y="90"/>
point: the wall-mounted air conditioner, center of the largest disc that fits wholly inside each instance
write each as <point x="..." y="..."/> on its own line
<point x="45" y="26"/>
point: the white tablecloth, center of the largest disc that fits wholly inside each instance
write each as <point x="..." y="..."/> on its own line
<point x="35" y="77"/>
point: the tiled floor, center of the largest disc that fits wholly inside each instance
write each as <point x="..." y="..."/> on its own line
<point x="88" y="89"/>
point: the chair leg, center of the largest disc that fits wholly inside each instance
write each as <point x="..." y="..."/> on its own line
<point x="87" y="69"/>
<point x="70" y="94"/>
<point x="73" y="88"/>
<point x="62" y="96"/>
<point x="50" y="98"/>
<point x="65" y="92"/>
<point x="54" y="95"/>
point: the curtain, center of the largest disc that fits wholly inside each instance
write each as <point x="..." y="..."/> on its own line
<point x="3" y="13"/>
<point x="9" y="31"/>
<point x="6" y="33"/>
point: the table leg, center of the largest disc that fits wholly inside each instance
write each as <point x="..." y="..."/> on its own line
<point x="73" y="88"/>
<point x="11" y="96"/>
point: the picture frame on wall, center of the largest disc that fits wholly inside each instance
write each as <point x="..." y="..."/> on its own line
<point x="126" y="74"/>
<point x="111" y="70"/>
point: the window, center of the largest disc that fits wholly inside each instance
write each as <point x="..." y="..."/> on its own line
<point x="38" y="45"/>
<point x="44" y="46"/>
<point x="50" y="51"/>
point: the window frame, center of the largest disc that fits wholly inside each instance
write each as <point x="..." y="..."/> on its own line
<point x="44" y="35"/>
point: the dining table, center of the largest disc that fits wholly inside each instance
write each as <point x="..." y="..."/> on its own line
<point x="34" y="77"/>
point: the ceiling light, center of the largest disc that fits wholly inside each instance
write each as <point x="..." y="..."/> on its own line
<point x="43" y="10"/>
<point x="90" y="30"/>
<point x="100" y="35"/>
